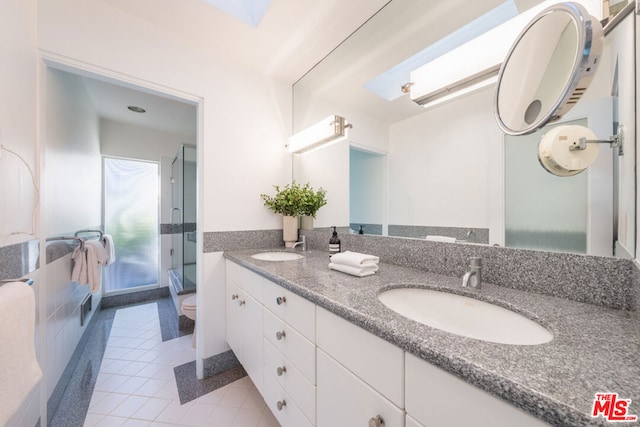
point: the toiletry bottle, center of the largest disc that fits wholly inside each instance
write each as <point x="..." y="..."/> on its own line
<point x="360" y="231"/>
<point x="334" y="243"/>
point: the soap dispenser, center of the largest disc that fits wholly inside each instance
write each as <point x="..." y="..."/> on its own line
<point x="334" y="243"/>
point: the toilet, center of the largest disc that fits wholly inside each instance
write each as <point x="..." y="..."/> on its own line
<point x="189" y="309"/>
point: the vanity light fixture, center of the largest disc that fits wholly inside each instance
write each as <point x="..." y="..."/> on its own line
<point x="329" y="130"/>
<point x="471" y="66"/>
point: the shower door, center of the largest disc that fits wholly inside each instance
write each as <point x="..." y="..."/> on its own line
<point x="183" y="219"/>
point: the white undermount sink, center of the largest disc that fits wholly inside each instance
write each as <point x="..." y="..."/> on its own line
<point x="276" y="256"/>
<point x="465" y="316"/>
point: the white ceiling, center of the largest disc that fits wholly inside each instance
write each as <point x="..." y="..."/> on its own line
<point x="111" y="102"/>
<point x="290" y="39"/>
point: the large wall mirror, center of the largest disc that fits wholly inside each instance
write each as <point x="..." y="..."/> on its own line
<point x="448" y="171"/>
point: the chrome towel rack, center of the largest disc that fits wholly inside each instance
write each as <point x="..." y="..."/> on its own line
<point x="77" y="239"/>
<point x="89" y="231"/>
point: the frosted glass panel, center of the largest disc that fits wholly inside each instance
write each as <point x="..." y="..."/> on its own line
<point x="131" y="217"/>
<point x="543" y="211"/>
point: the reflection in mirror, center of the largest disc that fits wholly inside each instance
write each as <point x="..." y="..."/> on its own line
<point x="444" y="172"/>
<point x="548" y="68"/>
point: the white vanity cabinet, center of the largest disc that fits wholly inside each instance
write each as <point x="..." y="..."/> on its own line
<point x="244" y="320"/>
<point x="360" y="376"/>
<point x="290" y="356"/>
<point x="272" y="332"/>
<point x="315" y="368"/>
<point x="435" y="397"/>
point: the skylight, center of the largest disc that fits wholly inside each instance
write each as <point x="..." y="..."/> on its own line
<point x="387" y="85"/>
<point x="248" y="11"/>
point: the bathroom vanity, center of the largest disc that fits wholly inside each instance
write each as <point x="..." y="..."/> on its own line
<point x="323" y="350"/>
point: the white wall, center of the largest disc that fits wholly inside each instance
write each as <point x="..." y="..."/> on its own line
<point x="17" y="119"/>
<point x="440" y="162"/>
<point x="135" y="142"/>
<point x="72" y="196"/>
<point x="71" y="200"/>
<point x="326" y="168"/>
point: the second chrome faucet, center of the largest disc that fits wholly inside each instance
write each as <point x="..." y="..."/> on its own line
<point x="473" y="277"/>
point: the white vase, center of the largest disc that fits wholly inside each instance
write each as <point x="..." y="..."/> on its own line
<point x="289" y="230"/>
<point x="306" y="222"/>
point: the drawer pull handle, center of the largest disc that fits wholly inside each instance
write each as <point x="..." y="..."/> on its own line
<point x="281" y="370"/>
<point x="280" y="335"/>
<point x="376" y="421"/>
<point x="281" y="404"/>
<point x="281" y="300"/>
<point x="234" y="297"/>
<point x="241" y="302"/>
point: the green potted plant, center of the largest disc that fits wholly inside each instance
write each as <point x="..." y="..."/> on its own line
<point x="312" y="201"/>
<point x="287" y="202"/>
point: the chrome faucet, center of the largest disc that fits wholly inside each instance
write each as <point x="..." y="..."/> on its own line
<point x="473" y="277"/>
<point x="302" y="242"/>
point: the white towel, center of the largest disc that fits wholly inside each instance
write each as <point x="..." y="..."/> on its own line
<point x="107" y="242"/>
<point x="355" y="271"/>
<point x="445" y="239"/>
<point x="96" y="257"/>
<point x="19" y="367"/>
<point x="79" y="272"/>
<point x="354" y="259"/>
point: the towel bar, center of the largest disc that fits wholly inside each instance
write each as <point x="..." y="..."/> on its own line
<point x="89" y="231"/>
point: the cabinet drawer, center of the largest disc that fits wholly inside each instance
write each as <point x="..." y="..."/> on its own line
<point x="436" y="397"/>
<point x="293" y="309"/>
<point x="246" y="279"/>
<point x="377" y="362"/>
<point x="291" y="380"/>
<point x="289" y="415"/>
<point x="300" y="351"/>
<point x="346" y="401"/>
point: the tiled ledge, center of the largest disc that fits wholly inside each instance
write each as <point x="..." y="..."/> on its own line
<point x="604" y="281"/>
<point x="218" y="241"/>
<point x="19" y="259"/>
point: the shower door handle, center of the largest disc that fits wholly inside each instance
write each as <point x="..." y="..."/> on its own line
<point x="179" y="215"/>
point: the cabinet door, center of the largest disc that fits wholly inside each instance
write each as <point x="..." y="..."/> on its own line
<point x="345" y="401"/>
<point x="282" y="405"/>
<point x="299" y="350"/>
<point x="233" y="320"/>
<point x="252" y="344"/>
<point x="435" y="397"/>
<point x="291" y="380"/>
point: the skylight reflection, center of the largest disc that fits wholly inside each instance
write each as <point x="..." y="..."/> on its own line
<point x="387" y="85"/>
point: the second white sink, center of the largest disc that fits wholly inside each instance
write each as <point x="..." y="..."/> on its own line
<point x="465" y="316"/>
<point x="277" y="256"/>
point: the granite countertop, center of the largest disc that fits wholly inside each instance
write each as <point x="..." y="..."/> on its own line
<point x="595" y="349"/>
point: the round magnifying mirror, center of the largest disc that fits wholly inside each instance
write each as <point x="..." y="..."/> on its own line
<point x="548" y="68"/>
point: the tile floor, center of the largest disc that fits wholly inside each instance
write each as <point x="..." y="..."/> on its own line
<point x="136" y="384"/>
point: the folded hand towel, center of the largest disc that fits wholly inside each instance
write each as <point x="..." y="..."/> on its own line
<point x="96" y="257"/>
<point x="354" y="259"/>
<point x="19" y="367"/>
<point x="445" y="239"/>
<point x="355" y="271"/>
<point x="107" y="242"/>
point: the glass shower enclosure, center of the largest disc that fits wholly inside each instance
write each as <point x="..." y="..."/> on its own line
<point x="183" y="220"/>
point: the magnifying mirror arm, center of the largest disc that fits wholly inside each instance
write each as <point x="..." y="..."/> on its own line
<point x="614" y="142"/>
